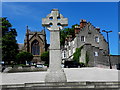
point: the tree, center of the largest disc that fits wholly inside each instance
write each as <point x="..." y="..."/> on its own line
<point x="65" y="32"/>
<point x="9" y="42"/>
<point x="45" y="57"/>
<point x="22" y="57"/>
<point x="6" y="25"/>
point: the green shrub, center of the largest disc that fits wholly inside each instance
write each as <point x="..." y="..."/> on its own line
<point x="22" y="57"/>
<point x="45" y="57"/>
<point x="77" y="54"/>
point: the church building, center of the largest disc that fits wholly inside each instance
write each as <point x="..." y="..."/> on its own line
<point x="35" y="42"/>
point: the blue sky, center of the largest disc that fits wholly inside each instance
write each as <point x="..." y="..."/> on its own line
<point x="100" y="14"/>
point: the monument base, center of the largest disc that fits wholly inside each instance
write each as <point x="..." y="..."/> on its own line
<point x="56" y="76"/>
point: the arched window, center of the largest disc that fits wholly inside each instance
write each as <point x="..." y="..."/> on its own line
<point x="35" y="48"/>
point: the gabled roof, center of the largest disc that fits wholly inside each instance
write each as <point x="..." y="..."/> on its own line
<point x="36" y="33"/>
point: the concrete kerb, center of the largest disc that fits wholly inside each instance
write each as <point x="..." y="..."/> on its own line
<point x="67" y="85"/>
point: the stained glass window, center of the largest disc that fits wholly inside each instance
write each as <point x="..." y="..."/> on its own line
<point x="35" y="48"/>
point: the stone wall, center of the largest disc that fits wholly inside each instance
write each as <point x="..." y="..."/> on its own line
<point x="115" y="59"/>
<point x="102" y="60"/>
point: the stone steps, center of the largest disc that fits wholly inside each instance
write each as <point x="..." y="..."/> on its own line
<point x="64" y="86"/>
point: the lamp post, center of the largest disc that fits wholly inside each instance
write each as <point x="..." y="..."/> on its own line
<point x="108" y="47"/>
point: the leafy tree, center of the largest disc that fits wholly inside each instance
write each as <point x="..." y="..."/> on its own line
<point x="9" y="43"/>
<point x="22" y="57"/>
<point x="65" y="32"/>
<point x="6" y="25"/>
<point x="45" y="57"/>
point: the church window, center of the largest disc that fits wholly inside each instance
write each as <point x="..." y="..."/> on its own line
<point x="35" y="48"/>
<point x="82" y="38"/>
<point x="96" y="39"/>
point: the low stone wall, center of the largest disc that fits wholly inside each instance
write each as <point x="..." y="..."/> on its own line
<point x="102" y="60"/>
<point x="37" y="59"/>
<point x="115" y="59"/>
<point x="24" y="69"/>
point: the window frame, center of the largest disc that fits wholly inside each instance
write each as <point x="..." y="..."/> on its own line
<point x="97" y="39"/>
<point x="35" y="45"/>
<point x="96" y="54"/>
<point x="82" y="39"/>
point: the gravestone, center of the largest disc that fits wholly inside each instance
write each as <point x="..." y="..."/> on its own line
<point x="54" y="22"/>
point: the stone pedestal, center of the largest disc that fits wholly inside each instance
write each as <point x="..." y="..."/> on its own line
<point x="55" y="72"/>
<point x="56" y="76"/>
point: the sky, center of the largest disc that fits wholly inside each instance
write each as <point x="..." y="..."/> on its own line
<point x="100" y="14"/>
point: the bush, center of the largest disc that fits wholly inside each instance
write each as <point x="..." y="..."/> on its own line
<point x="77" y="54"/>
<point x="22" y="57"/>
<point x="45" y="57"/>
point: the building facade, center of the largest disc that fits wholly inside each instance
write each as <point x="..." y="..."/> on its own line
<point x="35" y="43"/>
<point x="93" y="45"/>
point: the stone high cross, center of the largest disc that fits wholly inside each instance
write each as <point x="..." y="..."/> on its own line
<point x="55" y="19"/>
<point x="54" y="22"/>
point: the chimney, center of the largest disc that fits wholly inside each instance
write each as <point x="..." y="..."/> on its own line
<point x="98" y="29"/>
<point x="82" y="23"/>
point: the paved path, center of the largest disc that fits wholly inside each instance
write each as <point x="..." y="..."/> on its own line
<point x="73" y="75"/>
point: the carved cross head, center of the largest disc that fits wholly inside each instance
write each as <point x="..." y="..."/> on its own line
<point x="54" y="20"/>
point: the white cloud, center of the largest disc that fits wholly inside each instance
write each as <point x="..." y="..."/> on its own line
<point x="16" y="9"/>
